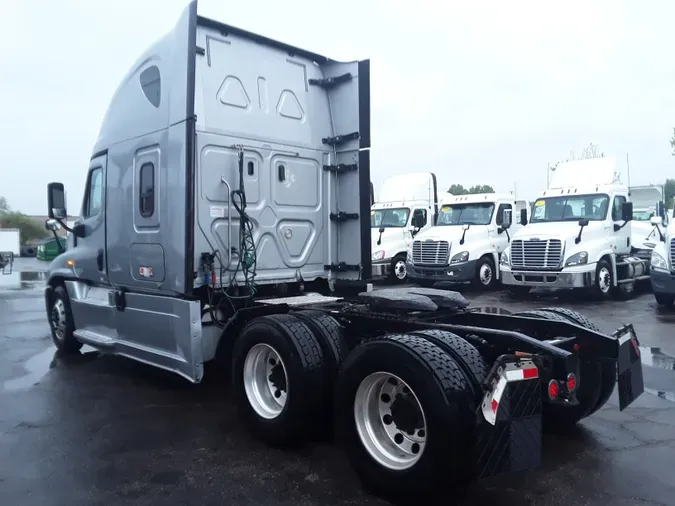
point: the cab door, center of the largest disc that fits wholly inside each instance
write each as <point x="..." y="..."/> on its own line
<point x="621" y="237"/>
<point x="501" y="240"/>
<point x="90" y="256"/>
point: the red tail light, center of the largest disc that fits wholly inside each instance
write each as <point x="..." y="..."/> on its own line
<point x="553" y="389"/>
<point x="571" y="382"/>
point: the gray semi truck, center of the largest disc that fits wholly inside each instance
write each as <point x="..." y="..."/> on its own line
<point x="225" y="219"/>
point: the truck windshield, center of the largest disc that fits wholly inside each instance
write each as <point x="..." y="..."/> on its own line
<point x="570" y="208"/>
<point x="463" y="214"/>
<point x="642" y="215"/>
<point x="389" y="217"/>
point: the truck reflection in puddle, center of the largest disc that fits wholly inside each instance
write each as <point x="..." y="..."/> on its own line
<point x="21" y="280"/>
<point x="39" y="365"/>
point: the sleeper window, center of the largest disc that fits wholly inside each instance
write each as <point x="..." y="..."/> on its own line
<point x="151" y="84"/>
<point x="146" y="182"/>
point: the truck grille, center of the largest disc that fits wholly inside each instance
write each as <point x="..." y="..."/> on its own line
<point x="672" y="254"/>
<point x="536" y="254"/>
<point x="431" y="252"/>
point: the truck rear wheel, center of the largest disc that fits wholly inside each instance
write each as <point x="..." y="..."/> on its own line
<point x="402" y="416"/>
<point x="335" y="349"/>
<point x="608" y="369"/>
<point x="556" y="417"/>
<point x="279" y="379"/>
<point x="466" y="356"/>
<point x="61" y="322"/>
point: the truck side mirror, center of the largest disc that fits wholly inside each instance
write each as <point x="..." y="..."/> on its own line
<point x="506" y="219"/>
<point x="656" y="220"/>
<point x="52" y="225"/>
<point x="56" y="201"/>
<point x="523" y="216"/>
<point x="627" y="211"/>
<point x="583" y="222"/>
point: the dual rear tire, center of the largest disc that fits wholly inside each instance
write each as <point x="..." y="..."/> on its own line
<point x="596" y="380"/>
<point x="403" y="405"/>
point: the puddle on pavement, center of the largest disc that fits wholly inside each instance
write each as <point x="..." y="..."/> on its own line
<point x="654" y="357"/>
<point x="38" y="366"/>
<point x="21" y="280"/>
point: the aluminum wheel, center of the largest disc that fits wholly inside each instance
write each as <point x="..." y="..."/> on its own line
<point x="485" y="274"/>
<point x="58" y="319"/>
<point x="390" y="421"/>
<point x="399" y="270"/>
<point x="265" y="381"/>
<point x="604" y="280"/>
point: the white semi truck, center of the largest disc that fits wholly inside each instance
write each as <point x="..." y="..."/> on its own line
<point x="662" y="265"/>
<point x="465" y="244"/>
<point x="231" y="167"/>
<point x="403" y="199"/>
<point x="579" y="235"/>
<point x="648" y="202"/>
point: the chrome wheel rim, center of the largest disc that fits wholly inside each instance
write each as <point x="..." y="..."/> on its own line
<point x="604" y="279"/>
<point x="400" y="270"/>
<point x="390" y="421"/>
<point x="485" y="274"/>
<point x="265" y="381"/>
<point x="58" y="319"/>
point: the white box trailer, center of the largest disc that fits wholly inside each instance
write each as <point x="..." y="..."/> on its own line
<point x="10" y="241"/>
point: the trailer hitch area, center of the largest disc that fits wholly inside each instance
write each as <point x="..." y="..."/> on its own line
<point x="629" y="366"/>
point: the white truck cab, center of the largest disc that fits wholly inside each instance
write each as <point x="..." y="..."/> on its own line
<point x="465" y="244"/>
<point x="648" y="202"/>
<point x="579" y="235"/>
<point x="662" y="265"/>
<point x="402" y="198"/>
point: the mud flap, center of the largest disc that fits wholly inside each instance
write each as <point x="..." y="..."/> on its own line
<point x="509" y="431"/>
<point x="629" y="367"/>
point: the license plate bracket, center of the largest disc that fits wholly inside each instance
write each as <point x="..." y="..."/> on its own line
<point x="629" y="367"/>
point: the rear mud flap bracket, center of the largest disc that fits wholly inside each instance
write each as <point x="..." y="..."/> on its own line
<point x="629" y="367"/>
<point x="509" y="432"/>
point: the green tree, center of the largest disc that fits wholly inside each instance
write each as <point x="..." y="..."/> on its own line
<point x="29" y="229"/>
<point x="590" y="151"/>
<point x="458" y="189"/>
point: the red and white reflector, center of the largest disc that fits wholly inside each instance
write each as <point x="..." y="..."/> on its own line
<point x="525" y="370"/>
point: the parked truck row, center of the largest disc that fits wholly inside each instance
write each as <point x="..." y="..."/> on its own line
<point x="232" y="169"/>
<point x="582" y="232"/>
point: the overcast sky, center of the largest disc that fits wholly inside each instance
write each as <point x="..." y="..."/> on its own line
<point x="480" y="92"/>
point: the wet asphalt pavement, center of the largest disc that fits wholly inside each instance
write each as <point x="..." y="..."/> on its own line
<point x="95" y="430"/>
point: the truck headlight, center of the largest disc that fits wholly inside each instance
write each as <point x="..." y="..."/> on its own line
<point x="378" y="255"/>
<point x="504" y="259"/>
<point x="577" y="259"/>
<point x="658" y="262"/>
<point x="460" y="257"/>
